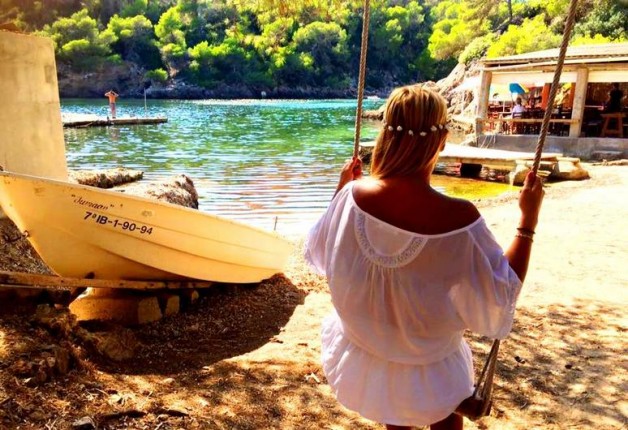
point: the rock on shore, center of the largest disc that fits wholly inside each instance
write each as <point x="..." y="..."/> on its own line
<point x="178" y="190"/>
<point x="106" y="178"/>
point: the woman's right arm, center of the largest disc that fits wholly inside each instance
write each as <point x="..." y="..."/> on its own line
<point x="530" y="199"/>
<point x="351" y="171"/>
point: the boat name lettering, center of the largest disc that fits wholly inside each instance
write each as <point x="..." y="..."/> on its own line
<point x="118" y="223"/>
<point x="79" y="200"/>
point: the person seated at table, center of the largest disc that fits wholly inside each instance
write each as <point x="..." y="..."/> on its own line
<point x="517" y="111"/>
<point x="518" y="108"/>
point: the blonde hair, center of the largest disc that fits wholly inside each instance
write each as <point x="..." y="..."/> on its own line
<point x="413" y="132"/>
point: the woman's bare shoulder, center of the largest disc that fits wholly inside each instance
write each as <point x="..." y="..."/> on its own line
<point x="415" y="210"/>
<point x="466" y="212"/>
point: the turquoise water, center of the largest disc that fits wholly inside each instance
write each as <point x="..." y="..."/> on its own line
<point x="258" y="161"/>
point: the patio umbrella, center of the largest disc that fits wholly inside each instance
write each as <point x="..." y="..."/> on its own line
<point x="517" y="88"/>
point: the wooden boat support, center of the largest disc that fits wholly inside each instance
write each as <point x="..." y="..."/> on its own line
<point x="32" y="280"/>
<point x="104" y="122"/>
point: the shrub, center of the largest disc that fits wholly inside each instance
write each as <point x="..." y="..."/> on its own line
<point x="157" y="75"/>
<point x="477" y="48"/>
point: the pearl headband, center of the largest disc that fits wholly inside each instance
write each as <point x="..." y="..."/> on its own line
<point x="421" y="133"/>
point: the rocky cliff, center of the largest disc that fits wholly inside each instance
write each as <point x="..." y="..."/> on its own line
<point x="127" y="79"/>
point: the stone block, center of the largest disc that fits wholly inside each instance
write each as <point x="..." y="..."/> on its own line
<point x="170" y="304"/>
<point x="517" y="176"/>
<point x="569" y="170"/>
<point x="120" y="306"/>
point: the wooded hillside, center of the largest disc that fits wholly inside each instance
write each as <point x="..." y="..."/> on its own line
<point x="264" y="44"/>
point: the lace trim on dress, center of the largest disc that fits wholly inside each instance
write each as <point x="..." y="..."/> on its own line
<point x="399" y="259"/>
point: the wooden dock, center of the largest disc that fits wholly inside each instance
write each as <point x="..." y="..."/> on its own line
<point x="80" y="120"/>
<point x="497" y="159"/>
<point x="472" y="159"/>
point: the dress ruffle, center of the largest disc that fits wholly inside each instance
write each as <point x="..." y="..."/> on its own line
<point x="394" y="393"/>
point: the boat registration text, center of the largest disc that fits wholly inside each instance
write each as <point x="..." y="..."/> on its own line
<point x="117" y="223"/>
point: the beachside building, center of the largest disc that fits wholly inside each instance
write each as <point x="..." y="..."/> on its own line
<point x="589" y="116"/>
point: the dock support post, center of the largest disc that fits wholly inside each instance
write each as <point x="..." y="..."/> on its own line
<point x="577" y="112"/>
<point x="482" y="107"/>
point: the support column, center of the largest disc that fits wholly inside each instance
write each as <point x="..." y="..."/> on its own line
<point x="580" y="96"/>
<point x="482" y="107"/>
<point x="545" y="95"/>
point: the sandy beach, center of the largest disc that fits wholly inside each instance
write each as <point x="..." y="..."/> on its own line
<point x="247" y="357"/>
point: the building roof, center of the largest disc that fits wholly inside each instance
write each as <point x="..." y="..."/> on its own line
<point x="584" y="53"/>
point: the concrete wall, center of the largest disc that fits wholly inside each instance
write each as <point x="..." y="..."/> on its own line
<point x="31" y="133"/>
<point x="586" y="148"/>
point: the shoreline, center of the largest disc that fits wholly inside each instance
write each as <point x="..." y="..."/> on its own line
<point x="248" y="357"/>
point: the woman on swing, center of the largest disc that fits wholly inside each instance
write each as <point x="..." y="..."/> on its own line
<point x="410" y="270"/>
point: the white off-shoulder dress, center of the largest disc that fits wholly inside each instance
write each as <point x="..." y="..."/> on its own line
<point x="393" y="349"/>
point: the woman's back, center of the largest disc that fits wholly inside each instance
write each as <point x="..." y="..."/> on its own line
<point x="408" y="295"/>
<point x="409" y="269"/>
<point x="412" y="205"/>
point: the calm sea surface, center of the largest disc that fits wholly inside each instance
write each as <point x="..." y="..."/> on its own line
<point x="257" y="161"/>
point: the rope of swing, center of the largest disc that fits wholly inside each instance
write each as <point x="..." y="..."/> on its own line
<point x="488" y="371"/>
<point x="361" y="77"/>
<point x="571" y="19"/>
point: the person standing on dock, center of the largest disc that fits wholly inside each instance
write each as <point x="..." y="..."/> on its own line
<point x="112" y="102"/>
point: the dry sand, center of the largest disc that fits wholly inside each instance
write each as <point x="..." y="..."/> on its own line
<point x="248" y="358"/>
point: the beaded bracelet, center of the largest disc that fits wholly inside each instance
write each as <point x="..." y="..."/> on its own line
<point x="525" y="236"/>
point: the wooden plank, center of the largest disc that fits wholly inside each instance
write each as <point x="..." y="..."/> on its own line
<point x="19" y="279"/>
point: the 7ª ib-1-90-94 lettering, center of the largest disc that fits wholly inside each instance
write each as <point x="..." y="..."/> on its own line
<point x="117" y="223"/>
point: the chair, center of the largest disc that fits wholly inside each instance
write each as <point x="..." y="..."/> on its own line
<point x="592" y="123"/>
<point x="517" y="127"/>
<point x="618" y="130"/>
<point x="535" y="127"/>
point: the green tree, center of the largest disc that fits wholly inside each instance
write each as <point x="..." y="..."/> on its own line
<point x="607" y="18"/>
<point x="325" y="45"/>
<point x="78" y="41"/>
<point x="227" y="62"/>
<point x="35" y="14"/>
<point x="135" y="40"/>
<point x="171" y="40"/>
<point x="398" y="35"/>
<point x="220" y="17"/>
<point x="456" y="25"/>
<point x="288" y="67"/>
<point x="157" y="75"/>
<point x="477" y="48"/>
<point x="531" y="35"/>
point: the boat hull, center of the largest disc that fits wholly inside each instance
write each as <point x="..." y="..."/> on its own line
<point x="87" y="232"/>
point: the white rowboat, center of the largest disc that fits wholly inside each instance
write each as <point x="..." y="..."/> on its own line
<point x="86" y="232"/>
